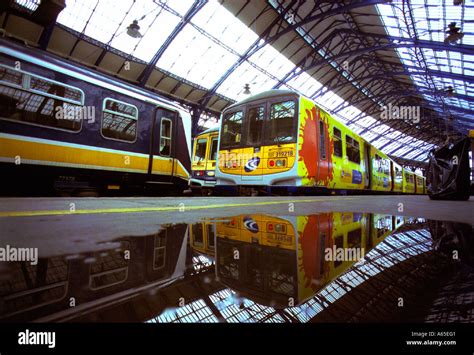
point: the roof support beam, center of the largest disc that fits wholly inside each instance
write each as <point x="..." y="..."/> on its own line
<point x="193" y="10"/>
<point x="255" y="47"/>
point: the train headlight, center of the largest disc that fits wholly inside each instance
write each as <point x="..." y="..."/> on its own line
<point x="280" y="163"/>
<point x="211" y="173"/>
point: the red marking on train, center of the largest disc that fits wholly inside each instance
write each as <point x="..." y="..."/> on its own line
<point x="318" y="226"/>
<point x="309" y="149"/>
<point x="326" y="170"/>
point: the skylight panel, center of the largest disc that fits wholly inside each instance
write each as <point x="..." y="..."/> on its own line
<point x="196" y="58"/>
<point x="181" y="6"/>
<point x="273" y="61"/>
<point x="305" y="84"/>
<point x="233" y="86"/>
<point x="220" y="23"/>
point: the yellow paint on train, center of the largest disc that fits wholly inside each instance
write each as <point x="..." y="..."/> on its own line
<point x="53" y="153"/>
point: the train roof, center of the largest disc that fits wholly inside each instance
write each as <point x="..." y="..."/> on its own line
<point x="264" y="94"/>
<point x="210" y="130"/>
<point x="57" y="63"/>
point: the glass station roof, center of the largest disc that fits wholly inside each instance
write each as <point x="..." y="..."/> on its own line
<point x="214" y="39"/>
<point x="440" y="69"/>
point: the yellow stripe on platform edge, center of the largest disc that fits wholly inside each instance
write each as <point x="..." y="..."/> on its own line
<point x="152" y="209"/>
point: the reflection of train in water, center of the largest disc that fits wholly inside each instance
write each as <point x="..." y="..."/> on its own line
<point x="63" y="288"/>
<point x="71" y="129"/>
<point x="279" y="260"/>
<point x="279" y="140"/>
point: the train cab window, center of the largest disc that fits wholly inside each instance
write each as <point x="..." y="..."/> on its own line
<point x="30" y="99"/>
<point x="255" y="118"/>
<point x="200" y="150"/>
<point x="322" y="140"/>
<point x="281" y="127"/>
<point x="231" y="130"/>
<point x="165" y="137"/>
<point x="337" y="142"/>
<point x="352" y="150"/>
<point x="119" y="120"/>
<point x="213" y="152"/>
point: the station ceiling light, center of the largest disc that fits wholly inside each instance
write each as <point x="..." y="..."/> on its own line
<point x="133" y="30"/>
<point x="450" y="91"/>
<point x="454" y="33"/>
<point x="247" y="89"/>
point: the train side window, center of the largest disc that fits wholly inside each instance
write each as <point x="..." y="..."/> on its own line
<point x="231" y="130"/>
<point x="339" y="243"/>
<point x="378" y="163"/>
<point x="165" y="136"/>
<point x="322" y="250"/>
<point x="200" y="150"/>
<point x="352" y="150"/>
<point x="31" y="99"/>
<point x="322" y="140"/>
<point x="354" y="238"/>
<point x="109" y="270"/>
<point x="210" y="237"/>
<point x="159" y="252"/>
<point x="213" y="152"/>
<point x="398" y="173"/>
<point x="337" y="142"/>
<point x="119" y="120"/>
<point x="386" y="167"/>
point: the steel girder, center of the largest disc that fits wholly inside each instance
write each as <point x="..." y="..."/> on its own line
<point x="353" y="46"/>
<point x="193" y="10"/>
<point x="255" y="47"/>
<point x="268" y="38"/>
<point x="392" y="74"/>
<point x="333" y="8"/>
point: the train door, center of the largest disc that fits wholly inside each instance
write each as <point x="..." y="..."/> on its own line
<point x="162" y="146"/>
<point x="323" y="147"/>
<point x="368" y="167"/>
<point x="252" y="155"/>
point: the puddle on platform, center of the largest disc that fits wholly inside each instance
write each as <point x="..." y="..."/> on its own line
<point x="329" y="267"/>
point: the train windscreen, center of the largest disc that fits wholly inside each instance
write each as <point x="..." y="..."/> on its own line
<point x="260" y="124"/>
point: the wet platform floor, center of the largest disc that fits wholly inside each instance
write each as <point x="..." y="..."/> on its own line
<point x="295" y="259"/>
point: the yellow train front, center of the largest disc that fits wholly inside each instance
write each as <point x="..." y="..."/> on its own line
<point x="281" y="261"/>
<point x="203" y="164"/>
<point x="282" y="140"/>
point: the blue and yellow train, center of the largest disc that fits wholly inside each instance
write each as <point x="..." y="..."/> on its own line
<point x="67" y="128"/>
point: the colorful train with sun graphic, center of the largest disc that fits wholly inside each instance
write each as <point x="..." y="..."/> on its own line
<point x="282" y="141"/>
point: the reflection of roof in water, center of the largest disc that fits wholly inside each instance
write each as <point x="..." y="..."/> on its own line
<point x="393" y="250"/>
<point x="412" y="261"/>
